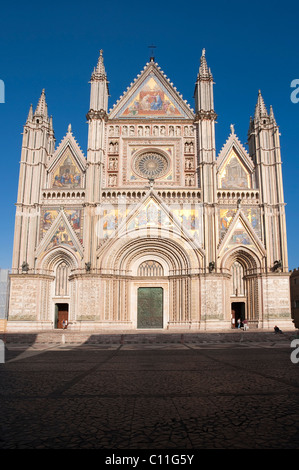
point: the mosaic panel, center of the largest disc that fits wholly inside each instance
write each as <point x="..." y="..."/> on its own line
<point x="151" y="100"/>
<point x="73" y="214"/>
<point x="61" y="237"/>
<point x="239" y="237"/>
<point x="67" y="174"/>
<point x="226" y="215"/>
<point x="234" y="175"/>
<point x="151" y="215"/>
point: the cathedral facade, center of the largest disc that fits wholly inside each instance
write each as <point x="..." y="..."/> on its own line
<point x="151" y="229"/>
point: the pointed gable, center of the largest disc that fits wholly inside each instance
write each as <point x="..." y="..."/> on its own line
<point x="49" y="215"/>
<point x="61" y="234"/>
<point x="241" y="233"/>
<point x="67" y="166"/>
<point x="235" y="166"/>
<point x="151" y="96"/>
<point x="153" y="213"/>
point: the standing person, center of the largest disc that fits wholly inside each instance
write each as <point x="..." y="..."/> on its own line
<point x="245" y="324"/>
<point x="239" y="322"/>
<point x="63" y="324"/>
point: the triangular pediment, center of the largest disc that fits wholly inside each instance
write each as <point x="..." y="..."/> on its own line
<point x="61" y="234"/>
<point x="240" y="233"/>
<point x="227" y="215"/>
<point x="49" y="215"/>
<point x="151" y="96"/>
<point x="67" y="165"/>
<point x="234" y="165"/>
<point x="152" y="217"/>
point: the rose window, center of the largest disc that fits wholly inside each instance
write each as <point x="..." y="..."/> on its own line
<point x="151" y="165"/>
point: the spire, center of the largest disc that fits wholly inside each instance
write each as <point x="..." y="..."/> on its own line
<point x="99" y="71"/>
<point x="42" y="108"/>
<point x="99" y="91"/>
<point x="260" y="108"/>
<point x="30" y="114"/>
<point x="204" y="70"/>
<point x="271" y="115"/>
<point x="203" y="93"/>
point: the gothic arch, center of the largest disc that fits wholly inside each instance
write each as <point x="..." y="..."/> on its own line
<point x="180" y="256"/>
<point x="249" y="260"/>
<point x="52" y="258"/>
<point x="118" y="263"/>
<point x="62" y="272"/>
<point x="252" y="268"/>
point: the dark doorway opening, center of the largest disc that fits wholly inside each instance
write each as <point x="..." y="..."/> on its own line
<point x="61" y="315"/>
<point x="238" y="313"/>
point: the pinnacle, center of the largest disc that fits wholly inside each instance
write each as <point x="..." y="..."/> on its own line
<point x="204" y="71"/>
<point x="30" y="114"/>
<point x="42" y="108"/>
<point x="271" y="115"/>
<point x="100" y="72"/>
<point x="260" y="108"/>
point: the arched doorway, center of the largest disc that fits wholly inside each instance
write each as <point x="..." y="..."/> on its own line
<point x="59" y="299"/>
<point x="244" y="268"/>
<point x="154" y="261"/>
<point x="238" y="294"/>
<point x="62" y="294"/>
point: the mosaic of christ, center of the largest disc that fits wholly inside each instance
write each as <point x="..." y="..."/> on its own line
<point x="151" y="100"/>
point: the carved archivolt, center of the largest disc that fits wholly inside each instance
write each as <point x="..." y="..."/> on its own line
<point x="177" y="254"/>
<point x="56" y="256"/>
<point x="248" y="259"/>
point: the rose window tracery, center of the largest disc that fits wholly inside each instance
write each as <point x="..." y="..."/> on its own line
<point x="151" y="165"/>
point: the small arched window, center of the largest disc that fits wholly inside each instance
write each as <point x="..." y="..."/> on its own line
<point x="150" y="269"/>
<point x="62" y="280"/>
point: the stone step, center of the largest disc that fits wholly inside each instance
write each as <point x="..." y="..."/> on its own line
<point x="71" y="337"/>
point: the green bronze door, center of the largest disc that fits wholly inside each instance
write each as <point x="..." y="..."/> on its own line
<point x="150" y="307"/>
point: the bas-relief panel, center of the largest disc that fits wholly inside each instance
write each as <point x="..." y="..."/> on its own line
<point x="151" y="215"/>
<point x="151" y="100"/>
<point x="67" y="174"/>
<point x="234" y="175"/>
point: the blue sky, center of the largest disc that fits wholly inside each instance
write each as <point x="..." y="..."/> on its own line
<point x="249" y="46"/>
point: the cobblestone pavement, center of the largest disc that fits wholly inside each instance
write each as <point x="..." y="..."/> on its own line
<point x="197" y="392"/>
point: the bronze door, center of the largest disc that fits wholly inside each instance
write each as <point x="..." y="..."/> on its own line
<point x="150" y="307"/>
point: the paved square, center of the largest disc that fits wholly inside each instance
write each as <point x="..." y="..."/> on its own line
<point x="159" y="395"/>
